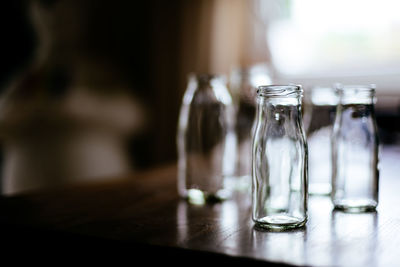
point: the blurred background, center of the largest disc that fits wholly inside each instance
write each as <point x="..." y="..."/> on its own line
<point x="91" y="89"/>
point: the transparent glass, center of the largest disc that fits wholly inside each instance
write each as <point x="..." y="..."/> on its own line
<point x="206" y="140"/>
<point x="243" y="84"/>
<point x="355" y="150"/>
<point x="323" y="101"/>
<point x="279" y="159"/>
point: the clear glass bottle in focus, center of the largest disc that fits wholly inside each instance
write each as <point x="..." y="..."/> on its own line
<point x="206" y="140"/>
<point x="355" y="150"/>
<point x="279" y="159"/>
<point x="323" y="101"/>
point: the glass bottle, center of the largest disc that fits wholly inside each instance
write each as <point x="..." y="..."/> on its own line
<point x="323" y="101"/>
<point x="206" y="140"/>
<point x="279" y="159"/>
<point x="243" y="84"/>
<point x="355" y="174"/>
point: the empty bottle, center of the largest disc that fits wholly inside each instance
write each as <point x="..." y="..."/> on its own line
<point x="243" y="84"/>
<point x="319" y="132"/>
<point x="279" y="159"/>
<point x="355" y="174"/>
<point x="206" y="140"/>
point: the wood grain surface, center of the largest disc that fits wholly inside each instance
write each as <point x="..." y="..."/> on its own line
<point x="143" y="211"/>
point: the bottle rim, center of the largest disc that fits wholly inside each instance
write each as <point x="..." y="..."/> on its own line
<point x="291" y="90"/>
<point x="356" y="94"/>
<point x="356" y="87"/>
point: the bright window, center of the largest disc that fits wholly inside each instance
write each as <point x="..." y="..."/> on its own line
<point x="334" y="37"/>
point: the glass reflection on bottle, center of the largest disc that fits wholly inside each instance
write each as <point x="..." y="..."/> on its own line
<point x="355" y="174"/>
<point x="206" y="140"/>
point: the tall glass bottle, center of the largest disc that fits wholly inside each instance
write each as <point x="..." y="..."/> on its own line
<point x="355" y="174"/>
<point x="243" y="84"/>
<point x="206" y="140"/>
<point x="279" y="159"/>
<point x="322" y="110"/>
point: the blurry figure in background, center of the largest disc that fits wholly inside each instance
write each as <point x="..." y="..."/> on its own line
<point x="67" y="118"/>
<point x="320" y="114"/>
<point x="243" y="85"/>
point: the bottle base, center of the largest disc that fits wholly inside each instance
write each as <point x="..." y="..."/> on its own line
<point x="199" y="197"/>
<point x="280" y="222"/>
<point x="355" y="205"/>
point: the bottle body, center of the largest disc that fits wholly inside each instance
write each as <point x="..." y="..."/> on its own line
<point x="279" y="159"/>
<point x="243" y="84"/>
<point x="319" y="134"/>
<point x="205" y="139"/>
<point x="355" y="151"/>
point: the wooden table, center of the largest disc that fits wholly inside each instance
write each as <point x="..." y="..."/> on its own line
<point x="142" y="213"/>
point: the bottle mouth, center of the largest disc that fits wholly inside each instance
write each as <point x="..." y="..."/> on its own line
<point x="356" y="94"/>
<point x="290" y="90"/>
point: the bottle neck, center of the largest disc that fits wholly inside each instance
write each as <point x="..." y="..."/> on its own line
<point x="208" y="88"/>
<point x="279" y="110"/>
<point x="206" y="81"/>
<point x="277" y="118"/>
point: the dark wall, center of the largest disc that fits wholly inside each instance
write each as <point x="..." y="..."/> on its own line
<point x="140" y="40"/>
<point x="17" y="39"/>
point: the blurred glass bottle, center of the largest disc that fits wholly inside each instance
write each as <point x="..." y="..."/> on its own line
<point x="206" y="140"/>
<point x="279" y="159"/>
<point x="243" y="85"/>
<point x="321" y="109"/>
<point x="355" y="174"/>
